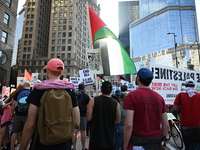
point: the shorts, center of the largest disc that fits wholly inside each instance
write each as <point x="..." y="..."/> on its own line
<point x="83" y="123"/>
<point x="18" y="123"/>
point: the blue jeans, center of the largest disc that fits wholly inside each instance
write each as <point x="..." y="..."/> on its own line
<point x="119" y="137"/>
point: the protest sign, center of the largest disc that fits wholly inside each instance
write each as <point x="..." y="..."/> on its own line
<point x="34" y="79"/>
<point x="168" y="81"/>
<point x="94" y="61"/>
<point x="76" y="81"/>
<point x="86" y="77"/>
<point x="20" y="80"/>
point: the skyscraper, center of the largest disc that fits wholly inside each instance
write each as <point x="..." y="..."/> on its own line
<point x="128" y="13"/>
<point x="166" y="34"/>
<point x="55" y="28"/>
<point x="18" y="35"/>
<point x="8" y="15"/>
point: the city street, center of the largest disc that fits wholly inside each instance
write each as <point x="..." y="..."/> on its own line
<point x="169" y="146"/>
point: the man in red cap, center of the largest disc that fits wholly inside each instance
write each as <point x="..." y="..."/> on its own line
<point x="54" y="70"/>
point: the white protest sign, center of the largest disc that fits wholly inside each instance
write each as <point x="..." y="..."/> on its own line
<point x="94" y="61"/>
<point x="34" y="79"/>
<point x="168" y="81"/>
<point x="20" y="80"/>
<point x="75" y="80"/>
<point x="86" y="77"/>
<point x="131" y="87"/>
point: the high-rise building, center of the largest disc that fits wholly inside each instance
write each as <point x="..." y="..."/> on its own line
<point x="128" y="13"/>
<point x="166" y="33"/>
<point x="18" y="35"/>
<point x="8" y="16"/>
<point x="55" y="28"/>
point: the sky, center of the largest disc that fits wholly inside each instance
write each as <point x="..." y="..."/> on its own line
<point x="109" y="13"/>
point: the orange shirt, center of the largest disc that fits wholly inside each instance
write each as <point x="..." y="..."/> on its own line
<point x="190" y="109"/>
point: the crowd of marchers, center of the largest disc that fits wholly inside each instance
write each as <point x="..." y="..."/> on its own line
<point x="49" y="115"/>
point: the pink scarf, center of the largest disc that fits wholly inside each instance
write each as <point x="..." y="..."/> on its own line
<point x="54" y="84"/>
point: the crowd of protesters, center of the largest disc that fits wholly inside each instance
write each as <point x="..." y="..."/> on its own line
<point x="135" y="120"/>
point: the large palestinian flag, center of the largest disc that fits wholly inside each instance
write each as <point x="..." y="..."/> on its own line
<point x="115" y="59"/>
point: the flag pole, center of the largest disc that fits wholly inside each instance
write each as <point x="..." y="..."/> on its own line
<point x="90" y="33"/>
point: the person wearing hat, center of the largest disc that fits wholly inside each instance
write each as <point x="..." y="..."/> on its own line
<point x="54" y="69"/>
<point x="188" y="103"/>
<point x="146" y="121"/>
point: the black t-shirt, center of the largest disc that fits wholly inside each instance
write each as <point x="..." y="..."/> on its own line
<point x="34" y="98"/>
<point x="86" y="99"/>
<point x="24" y="113"/>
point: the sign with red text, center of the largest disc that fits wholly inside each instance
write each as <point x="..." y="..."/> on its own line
<point x="168" y="81"/>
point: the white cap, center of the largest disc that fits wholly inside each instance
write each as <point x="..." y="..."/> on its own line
<point x="189" y="82"/>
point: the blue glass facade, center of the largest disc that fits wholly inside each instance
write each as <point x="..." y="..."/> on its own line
<point x="159" y="17"/>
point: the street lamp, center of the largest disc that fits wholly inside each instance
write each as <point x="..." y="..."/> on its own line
<point x="34" y="50"/>
<point x="175" y="44"/>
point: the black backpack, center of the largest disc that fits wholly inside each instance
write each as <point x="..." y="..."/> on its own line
<point x="81" y="102"/>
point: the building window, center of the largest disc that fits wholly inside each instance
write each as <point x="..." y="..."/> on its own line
<point x="69" y="41"/>
<point x="62" y="55"/>
<point x="52" y="48"/>
<point x="53" y="42"/>
<point x="70" y="27"/>
<point x="6" y="18"/>
<point x="59" y="48"/>
<point x="69" y="48"/>
<point x="64" y="34"/>
<point x="24" y="49"/>
<point x="53" y="35"/>
<point x="63" y="41"/>
<point x="8" y="3"/>
<point x="58" y="55"/>
<point x="68" y="62"/>
<point x="69" y="55"/>
<point x="24" y="56"/>
<point x="60" y="21"/>
<point x="63" y="48"/>
<point x="69" y="34"/>
<point x="52" y="55"/>
<point x="4" y="36"/>
<point x="59" y="34"/>
<point x="59" y="41"/>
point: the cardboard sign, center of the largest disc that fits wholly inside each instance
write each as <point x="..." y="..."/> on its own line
<point x="94" y="61"/>
<point x="76" y="81"/>
<point x="86" y="77"/>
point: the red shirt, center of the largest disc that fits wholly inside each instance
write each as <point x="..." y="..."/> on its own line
<point x="190" y="109"/>
<point x="148" y="107"/>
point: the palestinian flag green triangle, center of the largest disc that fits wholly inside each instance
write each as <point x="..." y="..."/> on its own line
<point x="115" y="58"/>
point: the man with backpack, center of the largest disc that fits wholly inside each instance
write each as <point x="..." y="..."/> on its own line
<point x="53" y="112"/>
<point x="83" y="100"/>
<point x="19" y="112"/>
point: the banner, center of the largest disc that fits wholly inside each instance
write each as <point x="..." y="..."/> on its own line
<point x="86" y="77"/>
<point x="94" y="61"/>
<point x="76" y="81"/>
<point x="168" y="81"/>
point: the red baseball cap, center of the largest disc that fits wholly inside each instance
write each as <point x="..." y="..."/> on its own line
<point x="55" y="64"/>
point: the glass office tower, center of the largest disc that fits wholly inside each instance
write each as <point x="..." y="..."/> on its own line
<point x="166" y="34"/>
